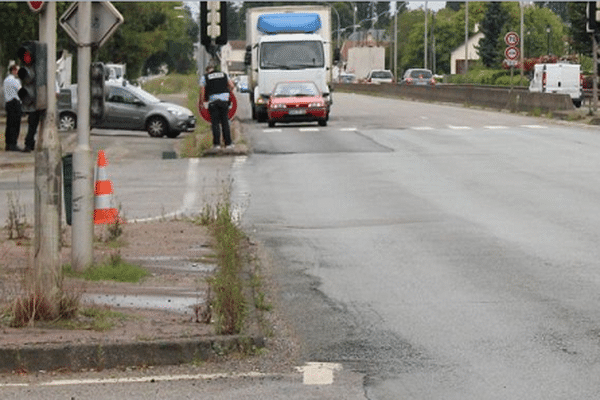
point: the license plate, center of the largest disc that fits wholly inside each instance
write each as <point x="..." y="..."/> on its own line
<point x="297" y="112"/>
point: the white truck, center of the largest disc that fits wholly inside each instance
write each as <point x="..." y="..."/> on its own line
<point x="287" y="43"/>
<point x="558" y="78"/>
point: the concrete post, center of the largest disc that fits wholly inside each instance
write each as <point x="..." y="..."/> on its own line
<point x="47" y="180"/>
<point x="83" y="167"/>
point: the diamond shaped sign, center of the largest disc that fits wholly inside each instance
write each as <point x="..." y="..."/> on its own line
<point x="105" y="20"/>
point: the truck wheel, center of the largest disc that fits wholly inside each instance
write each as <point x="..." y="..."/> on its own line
<point x="577" y="103"/>
<point x="322" y="122"/>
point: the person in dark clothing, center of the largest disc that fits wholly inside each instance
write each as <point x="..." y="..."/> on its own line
<point x="33" y="121"/>
<point x="13" y="109"/>
<point x="214" y="88"/>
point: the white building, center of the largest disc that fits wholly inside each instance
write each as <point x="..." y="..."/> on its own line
<point x="457" y="57"/>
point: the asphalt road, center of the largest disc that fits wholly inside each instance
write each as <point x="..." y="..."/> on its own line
<point x="443" y="252"/>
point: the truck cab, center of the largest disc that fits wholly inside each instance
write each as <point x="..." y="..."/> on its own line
<point x="288" y="43"/>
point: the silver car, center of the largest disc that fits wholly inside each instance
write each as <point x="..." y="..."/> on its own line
<point x="128" y="107"/>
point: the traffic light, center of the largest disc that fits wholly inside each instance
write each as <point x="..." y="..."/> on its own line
<point x="33" y="56"/>
<point x="97" y="77"/>
<point x="593" y="16"/>
<point x="213" y="23"/>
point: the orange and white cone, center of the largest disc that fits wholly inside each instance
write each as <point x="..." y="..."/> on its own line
<point x="104" y="212"/>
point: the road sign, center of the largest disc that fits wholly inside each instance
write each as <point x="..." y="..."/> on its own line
<point x="105" y="20"/>
<point x="35" y="6"/>
<point x="511" y="39"/>
<point x="511" y="53"/>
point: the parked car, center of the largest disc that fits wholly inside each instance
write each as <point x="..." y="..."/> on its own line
<point x="380" y="76"/>
<point x="296" y="101"/>
<point x="242" y="84"/>
<point x="347" y="78"/>
<point x="418" y="76"/>
<point x="129" y="107"/>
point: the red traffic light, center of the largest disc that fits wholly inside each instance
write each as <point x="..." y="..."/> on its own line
<point x="25" y="56"/>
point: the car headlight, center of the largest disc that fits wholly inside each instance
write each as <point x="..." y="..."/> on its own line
<point x="317" y="104"/>
<point x="175" y="111"/>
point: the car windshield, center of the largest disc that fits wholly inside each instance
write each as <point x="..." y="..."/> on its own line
<point x="292" y="55"/>
<point x="381" y="75"/>
<point x="143" y="95"/>
<point x="129" y="95"/>
<point x="421" y="74"/>
<point x="292" y="89"/>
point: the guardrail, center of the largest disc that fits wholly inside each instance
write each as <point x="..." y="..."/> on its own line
<point x="502" y="98"/>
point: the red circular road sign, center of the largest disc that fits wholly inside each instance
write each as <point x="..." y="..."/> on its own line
<point x="35" y="6"/>
<point x="511" y="39"/>
<point x="511" y="53"/>
<point x="232" y="108"/>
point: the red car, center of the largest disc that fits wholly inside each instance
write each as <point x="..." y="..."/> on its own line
<point x="296" y="101"/>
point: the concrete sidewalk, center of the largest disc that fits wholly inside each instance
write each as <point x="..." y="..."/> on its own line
<point x="37" y="354"/>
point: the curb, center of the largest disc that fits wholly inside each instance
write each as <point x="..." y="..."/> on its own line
<point x="98" y="356"/>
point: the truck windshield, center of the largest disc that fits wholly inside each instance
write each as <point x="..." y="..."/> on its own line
<point x="292" y="55"/>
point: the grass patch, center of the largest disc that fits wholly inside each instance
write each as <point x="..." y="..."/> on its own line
<point x="93" y="318"/>
<point x="113" y="269"/>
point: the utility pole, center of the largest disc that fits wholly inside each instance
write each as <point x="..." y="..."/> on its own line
<point x="425" y="39"/>
<point x="83" y="168"/>
<point x="396" y="42"/>
<point x="47" y="180"/>
<point x="466" y="37"/>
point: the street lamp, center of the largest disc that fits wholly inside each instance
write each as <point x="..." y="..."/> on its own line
<point x="548" y="30"/>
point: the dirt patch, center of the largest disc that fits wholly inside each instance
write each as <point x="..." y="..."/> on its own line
<point x="179" y="256"/>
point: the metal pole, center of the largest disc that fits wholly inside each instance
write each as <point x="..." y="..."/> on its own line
<point x="522" y="56"/>
<point x="396" y="43"/>
<point x="595" y="78"/>
<point x="466" y="37"/>
<point x="425" y="39"/>
<point x="47" y="181"/>
<point x="83" y="171"/>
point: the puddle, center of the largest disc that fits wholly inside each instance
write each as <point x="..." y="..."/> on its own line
<point x="178" y="304"/>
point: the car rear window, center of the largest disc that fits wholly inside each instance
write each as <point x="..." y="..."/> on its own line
<point x="382" y="75"/>
<point x="421" y="73"/>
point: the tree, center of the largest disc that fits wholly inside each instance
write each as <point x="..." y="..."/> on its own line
<point x="153" y="33"/>
<point x="581" y="40"/>
<point x="490" y="47"/>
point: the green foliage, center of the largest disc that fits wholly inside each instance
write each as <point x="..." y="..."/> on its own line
<point x="495" y="77"/>
<point x="492" y="26"/>
<point x="113" y="269"/>
<point x="152" y="35"/>
<point x="229" y="304"/>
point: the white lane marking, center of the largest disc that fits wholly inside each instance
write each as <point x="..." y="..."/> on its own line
<point x="242" y="195"/>
<point x="454" y="127"/>
<point x="534" y="126"/>
<point x="348" y="129"/>
<point x="143" y="379"/>
<point x="422" y="128"/>
<point x="495" y="127"/>
<point x="309" y="129"/>
<point x="189" y="197"/>
<point x="191" y="183"/>
<point x="272" y="130"/>
<point x="317" y="373"/>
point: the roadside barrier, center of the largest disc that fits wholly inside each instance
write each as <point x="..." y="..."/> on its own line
<point x="104" y="212"/>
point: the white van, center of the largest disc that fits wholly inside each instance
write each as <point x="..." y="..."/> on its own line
<point x="558" y="78"/>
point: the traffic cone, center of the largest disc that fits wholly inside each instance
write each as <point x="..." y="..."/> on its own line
<point x="104" y="213"/>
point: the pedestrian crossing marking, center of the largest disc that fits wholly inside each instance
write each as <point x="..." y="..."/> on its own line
<point x="454" y="127"/>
